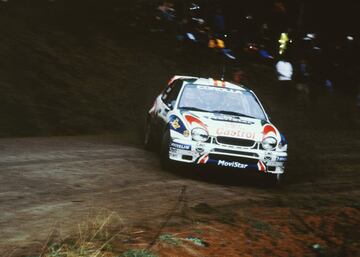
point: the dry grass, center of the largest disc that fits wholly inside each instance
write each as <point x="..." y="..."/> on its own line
<point x="94" y="238"/>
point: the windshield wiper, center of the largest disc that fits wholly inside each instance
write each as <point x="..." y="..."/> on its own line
<point x="232" y="113"/>
<point x="192" y="109"/>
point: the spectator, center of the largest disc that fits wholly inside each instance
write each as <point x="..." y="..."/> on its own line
<point x="303" y="76"/>
<point x="166" y="11"/>
<point x="238" y="76"/>
<point x="284" y="71"/>
<point x="219" y="22"/>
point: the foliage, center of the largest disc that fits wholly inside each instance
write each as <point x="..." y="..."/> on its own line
<point x="138" y="253"/>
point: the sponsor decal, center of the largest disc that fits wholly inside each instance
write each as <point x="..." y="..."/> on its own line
<point x="228" y="164"/>
<point x="180" y="146"/>
<point x="261" y="166"/>
<point x="221" y="89"/>
<point x="219" y="83"/>
<point x="231" y="119"/>
<point x="232" y="164"/>
<point x="269" y="129"/>
<point x="186" y="133"/>
<point x="281" y="158"/>
<point x="203" y="159"/>
<point x="236" y="133"/>
<point x="192" y="119"/>
<point x="175" y="124"/>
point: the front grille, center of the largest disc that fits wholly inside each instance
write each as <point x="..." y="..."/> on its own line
<point x="235" y="141"/>
<point x="236" y="152"/>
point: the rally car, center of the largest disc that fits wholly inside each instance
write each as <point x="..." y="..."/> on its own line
<point x="206" y="122"/>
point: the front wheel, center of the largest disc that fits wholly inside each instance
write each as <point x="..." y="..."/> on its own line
<point x="275" y="180"/>
<point x="149" y="137"/>
<point x="278" y="179"/>
<point x="166" y="163"/>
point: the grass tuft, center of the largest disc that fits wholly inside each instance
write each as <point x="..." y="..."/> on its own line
<point x="94" y="239"/>
<point x="138" y="253"/>
<point x="170" y="239"/>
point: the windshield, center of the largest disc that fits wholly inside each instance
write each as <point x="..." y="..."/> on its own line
<point x="220" y="100"/>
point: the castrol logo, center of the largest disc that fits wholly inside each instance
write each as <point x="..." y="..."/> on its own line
<point x="235" y="133"/>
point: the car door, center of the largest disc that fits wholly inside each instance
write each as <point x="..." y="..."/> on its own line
<point x="167" y="102"/>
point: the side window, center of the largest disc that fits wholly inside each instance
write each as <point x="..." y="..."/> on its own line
<point x="171" y="92"/>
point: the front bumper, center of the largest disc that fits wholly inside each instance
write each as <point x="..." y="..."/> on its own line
<point x="227" y="156"/>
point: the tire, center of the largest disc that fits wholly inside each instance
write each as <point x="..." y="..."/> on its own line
<point x="278" y="180"/>
<point x="149" y="136"/>
<point x="275" y="180"/>
<point x="166" y="163"/>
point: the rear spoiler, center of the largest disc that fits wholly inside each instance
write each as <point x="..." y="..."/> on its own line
<point x="180" y="77"/>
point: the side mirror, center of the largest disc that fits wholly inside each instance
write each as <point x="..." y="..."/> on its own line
<point x="171" y="105"/>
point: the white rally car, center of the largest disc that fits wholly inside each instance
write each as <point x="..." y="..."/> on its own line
<point x="211" y="122"/>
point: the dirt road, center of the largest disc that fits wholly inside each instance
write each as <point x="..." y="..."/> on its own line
<point x="48" y="183"/>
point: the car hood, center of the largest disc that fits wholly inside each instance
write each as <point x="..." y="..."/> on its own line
<point x="218" y="124"/>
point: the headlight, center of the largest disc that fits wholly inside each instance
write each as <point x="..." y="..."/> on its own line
<point x="199" y="134"/>
<point x="269" y="143"/>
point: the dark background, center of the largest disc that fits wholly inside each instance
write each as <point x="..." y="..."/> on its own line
<point x="85" y="67"/>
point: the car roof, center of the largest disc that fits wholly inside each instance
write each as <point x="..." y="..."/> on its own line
<point x="209" y="82"/>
